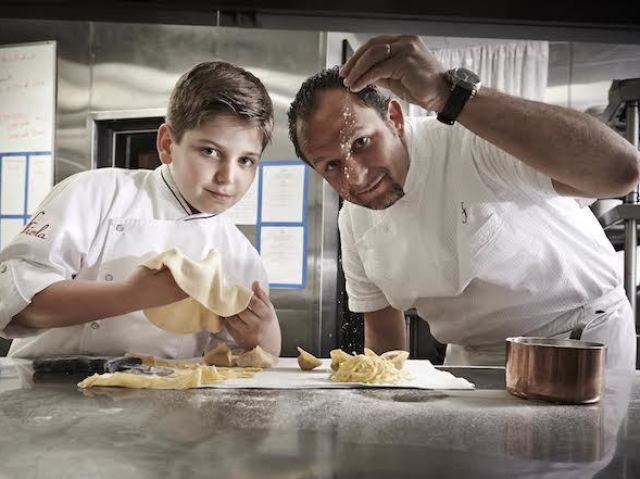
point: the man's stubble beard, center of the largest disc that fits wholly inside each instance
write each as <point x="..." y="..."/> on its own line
<point x="389" y="199"/>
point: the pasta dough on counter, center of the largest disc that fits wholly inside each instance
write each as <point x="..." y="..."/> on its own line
<point x="183" y="375"/>
<point x="209" y="300"/>
<point x="178" y="379"/>
<point x="191" y="375"/>
<point x="368" y="368"/>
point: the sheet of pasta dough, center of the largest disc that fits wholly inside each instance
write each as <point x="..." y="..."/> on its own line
<point x="194" y="376"/>
<point x="209" y="300"/>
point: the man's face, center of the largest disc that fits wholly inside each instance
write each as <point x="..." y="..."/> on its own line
<point x="213" y="165"/>
<point x="361" y="156"/>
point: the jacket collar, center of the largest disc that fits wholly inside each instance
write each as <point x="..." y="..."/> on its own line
<point x="170" y="184"/>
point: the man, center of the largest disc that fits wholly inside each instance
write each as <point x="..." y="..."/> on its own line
<point x="474" y="220"/>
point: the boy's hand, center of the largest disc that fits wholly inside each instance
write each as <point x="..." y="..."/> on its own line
<point x="153" y="287"/>
<point x="256" y="324"/>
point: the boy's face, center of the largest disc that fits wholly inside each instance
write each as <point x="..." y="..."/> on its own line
<point x="362" y="156"/>
<point x="213" y="165"/>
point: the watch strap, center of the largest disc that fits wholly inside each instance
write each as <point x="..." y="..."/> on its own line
<point x="457" y="99"/>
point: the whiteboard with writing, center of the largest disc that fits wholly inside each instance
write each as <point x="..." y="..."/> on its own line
<point x="27" y="129"/>
<point x="27" y="97"/>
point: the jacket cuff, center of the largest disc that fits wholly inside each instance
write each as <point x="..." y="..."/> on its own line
<point x="15" y="296"/>
<point x="11" y="300"/>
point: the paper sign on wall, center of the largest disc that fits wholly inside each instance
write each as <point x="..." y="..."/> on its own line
<point x="282" y="193"/>
<point x="282" y="250"/>
<point x="13" y="171"/>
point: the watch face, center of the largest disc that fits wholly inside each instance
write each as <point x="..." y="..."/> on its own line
<point x="465" y="78"/>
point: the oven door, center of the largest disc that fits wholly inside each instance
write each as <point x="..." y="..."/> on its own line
<point x="127" y="143"/>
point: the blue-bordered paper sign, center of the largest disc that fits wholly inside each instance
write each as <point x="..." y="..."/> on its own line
<point x="25" y="179"/>
<point x="281" y="230"/>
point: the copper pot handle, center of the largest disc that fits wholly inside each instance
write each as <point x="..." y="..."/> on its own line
<point x="576" y="333"/>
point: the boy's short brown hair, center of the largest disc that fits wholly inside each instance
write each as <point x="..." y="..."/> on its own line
<point x="216" y="87"/>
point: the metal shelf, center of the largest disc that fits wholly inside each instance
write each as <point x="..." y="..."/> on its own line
<point x="621" y="114"/>
<point x="619" y="213"/>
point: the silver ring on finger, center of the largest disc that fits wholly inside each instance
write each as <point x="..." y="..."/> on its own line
<point x="388" y="49"/>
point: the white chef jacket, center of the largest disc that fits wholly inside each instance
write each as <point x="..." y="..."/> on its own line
<point x="481" y="245"/>
<point x="99" y="225"/>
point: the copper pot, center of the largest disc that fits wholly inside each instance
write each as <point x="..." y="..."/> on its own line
<point x="558" y="370"/>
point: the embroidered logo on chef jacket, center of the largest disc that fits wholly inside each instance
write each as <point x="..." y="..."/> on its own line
<point x="463" y="210"/>
<point x="36" y="228"/>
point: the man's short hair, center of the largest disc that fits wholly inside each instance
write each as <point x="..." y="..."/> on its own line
<point x="214" y="88"/>
<point x="328" y="79"/>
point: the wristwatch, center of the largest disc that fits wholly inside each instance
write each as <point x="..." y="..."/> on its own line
<point x="464" y="84"/>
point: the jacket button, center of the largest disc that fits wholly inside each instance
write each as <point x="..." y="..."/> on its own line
<point x="95" y="325"/>
<point x="119" y="228"/>
<point x="108" y="277"/>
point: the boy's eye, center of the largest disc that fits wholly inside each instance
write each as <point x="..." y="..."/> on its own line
<point x="246" y="161"/>
<point x="209" y="151"/>
<point x="360" y="143"/>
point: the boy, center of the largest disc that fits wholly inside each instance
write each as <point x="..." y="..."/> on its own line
<point x="70" y="282"/>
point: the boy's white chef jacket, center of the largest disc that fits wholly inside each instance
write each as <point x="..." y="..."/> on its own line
<point x="483" y="247"/>
<point x="99" y="225"/>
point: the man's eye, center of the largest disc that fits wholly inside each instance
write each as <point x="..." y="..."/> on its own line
<point x="330" y="166"/>
<point x="360" y="143"/>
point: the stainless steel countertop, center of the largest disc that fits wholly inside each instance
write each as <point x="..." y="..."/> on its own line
<point x="50" y="429"/>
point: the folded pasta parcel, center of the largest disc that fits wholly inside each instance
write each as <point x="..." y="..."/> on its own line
<point x="209" y="299"/>
<point x="307" y="361"/>
<point x="256" y="358"/>
<point x="338" y="356"/>
<point x="221" y="356"/>
<point x="398" y="358"/>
